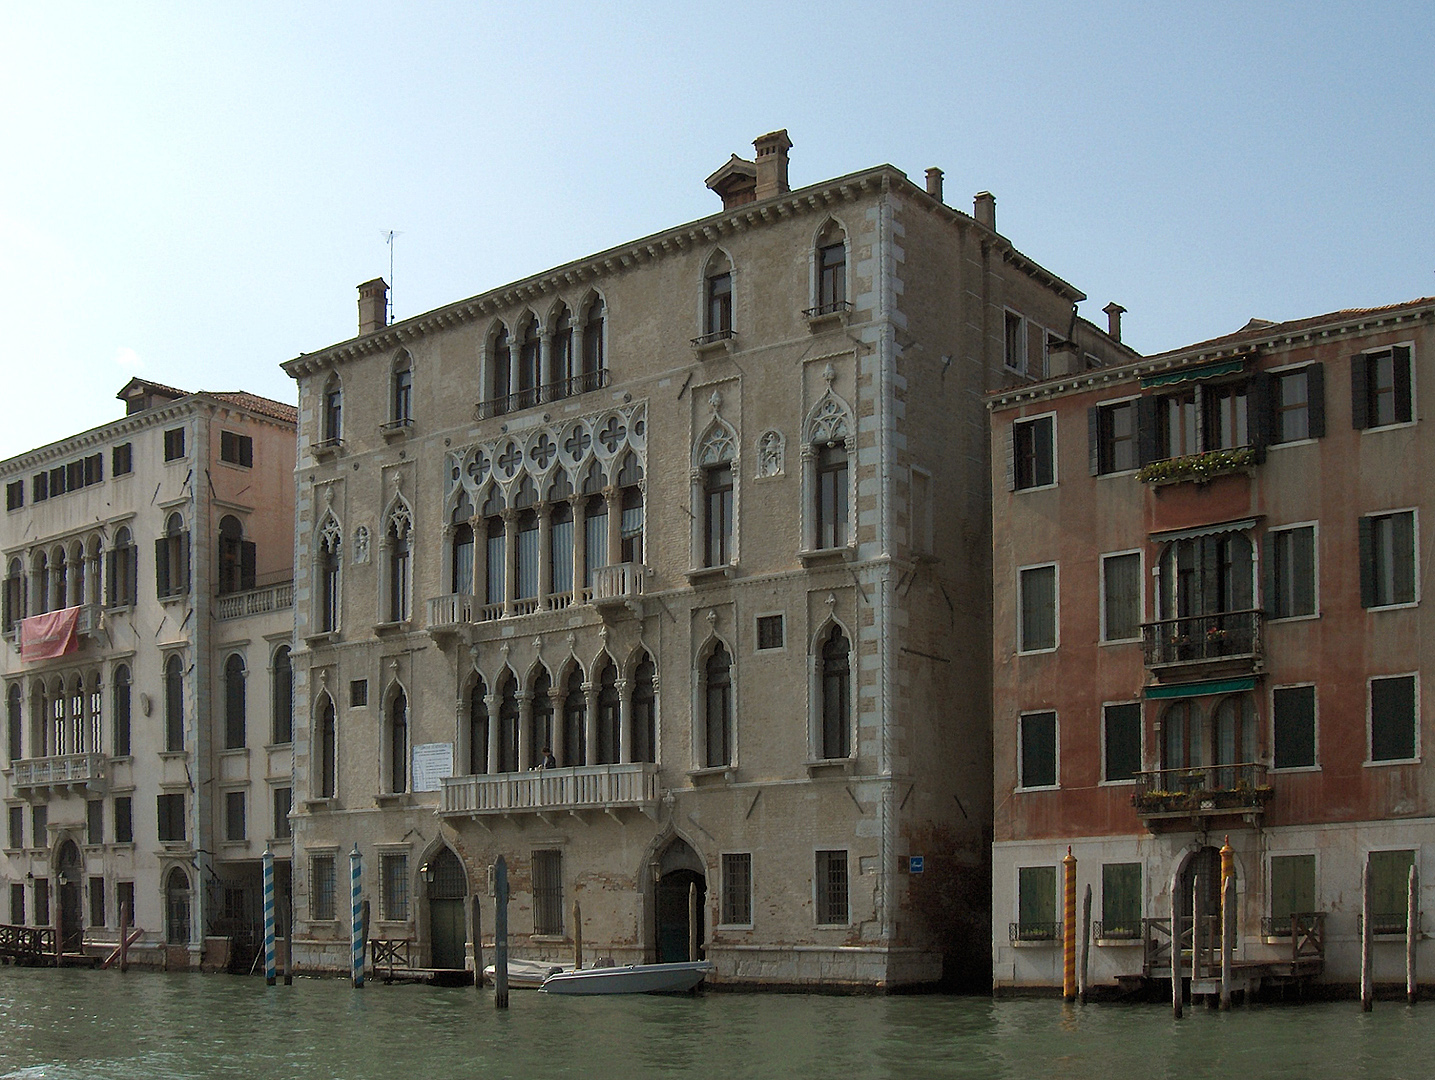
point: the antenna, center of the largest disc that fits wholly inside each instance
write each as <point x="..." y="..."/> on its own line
<point x="389" y="236"/>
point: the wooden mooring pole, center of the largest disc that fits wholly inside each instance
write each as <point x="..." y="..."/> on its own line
<point x="577" y="936"/>
<point x="692" y="920"/>
<point x="125" y="915"/>
<point x="1367" y="982"/>
<point x="500" y="934"/>
<point x="1068" y="927"/>
<point x="1412" y="934"/>
<point x="1085" y="972"/>
<point x="1176" y="943"/>
<point x="1228" y="937"/>
<point x="477" y="945"/>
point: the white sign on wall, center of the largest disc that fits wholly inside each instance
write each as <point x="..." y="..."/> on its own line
<point x="432" y="762"/>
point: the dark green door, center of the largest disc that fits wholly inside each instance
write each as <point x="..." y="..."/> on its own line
<point x="672" y="915"/>
<point x="447" y="892"/>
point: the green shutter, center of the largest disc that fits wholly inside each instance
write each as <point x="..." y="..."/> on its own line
<point x="1360" y="391"/>
<point x="1315" y="395"/>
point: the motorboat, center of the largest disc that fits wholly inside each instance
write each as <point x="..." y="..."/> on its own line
<point x="629" y="979"/>
<point x="524" y="974"/>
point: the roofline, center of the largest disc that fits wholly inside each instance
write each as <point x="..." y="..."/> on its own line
<point x="703" y="231"/>
<point x="103" y="433"/>
<point x="1336" y="325"/>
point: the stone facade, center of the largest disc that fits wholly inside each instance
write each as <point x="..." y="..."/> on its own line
<point x="705" y="516"/>
<point x="150" y="762"/>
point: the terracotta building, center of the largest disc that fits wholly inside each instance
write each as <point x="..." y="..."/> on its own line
<point x="665" y="573"/>
<point x="1208" y="622"/>
<point x="146" y="674"/>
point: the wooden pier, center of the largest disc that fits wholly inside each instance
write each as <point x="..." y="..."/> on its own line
<point x="1303" y="962"/>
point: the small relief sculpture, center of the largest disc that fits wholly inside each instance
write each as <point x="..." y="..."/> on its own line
<point x="361" y="544"/>
<point x="770" y="454"/>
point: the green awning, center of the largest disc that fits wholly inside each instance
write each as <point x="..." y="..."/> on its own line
<point x="1203" y="371"/>
<point x="1201" y="689"/>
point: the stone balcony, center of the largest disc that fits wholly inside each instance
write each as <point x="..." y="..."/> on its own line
<point x="255" y="601"/>
<point x="33" y="777"/>
<point x="616" y="589"/>
<point x="548" y="793"/>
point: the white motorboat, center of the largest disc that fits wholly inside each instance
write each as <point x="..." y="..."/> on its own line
<point x="525" y="974"/>
<point x="629" y="979"/>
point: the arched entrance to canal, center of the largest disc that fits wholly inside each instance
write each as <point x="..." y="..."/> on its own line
<point x="68" y="873"/>
<point x="680" y="874"/>
<point x="447" y="891"/>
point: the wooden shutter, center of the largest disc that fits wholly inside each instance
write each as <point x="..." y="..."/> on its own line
<point x="111" y="562"/>
<point x="1260" y="413"/>
<point x="1011" y="458"/>
<point x="182" y="574"/>
<point x="161" y="567"/>
<point x="1367" y="564"/>
<point x="1400" y="367"/>
<point x="1359" y="392"/>
<point x="1268" y="575"/>
<point x="247" y="559"/>
<point x="1315" y="395"/>
<point x="1093" y="440"/>
<point x="1148" y="434"/>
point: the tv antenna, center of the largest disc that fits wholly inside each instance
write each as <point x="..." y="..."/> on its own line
<point x="389" y="236"/>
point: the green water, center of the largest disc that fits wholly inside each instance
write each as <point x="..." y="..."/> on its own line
<point x="69" y="1024"/>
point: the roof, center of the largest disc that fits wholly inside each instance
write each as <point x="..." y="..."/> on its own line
<point x="275" y="410"/>
<point x="1261" y="329"/>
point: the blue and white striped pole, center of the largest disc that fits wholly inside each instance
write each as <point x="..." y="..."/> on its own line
<point x="268" y="917"/>
<point x="357" y="939"/>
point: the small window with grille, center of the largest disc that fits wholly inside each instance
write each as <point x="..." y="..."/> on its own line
<point x="548" y="892"/>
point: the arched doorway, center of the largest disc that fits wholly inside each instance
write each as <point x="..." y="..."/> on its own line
<point x="176" y="907"/>
<point x="680" y="870"/>
<point x="447" y="890"/>
<point x="68" y="873"/>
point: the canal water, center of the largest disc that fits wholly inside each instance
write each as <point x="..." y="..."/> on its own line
<point x="71" y="1024"/>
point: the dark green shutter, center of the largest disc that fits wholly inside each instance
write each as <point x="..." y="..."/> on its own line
<point x="1360" y="391"/>
<point x="1270" y="602"/>
<point x="1259" y="410"/>
<point x="1400" y="366"/>
<point x="247" y="561"/>
<point x="1148" y="432"/>
<point x="1367" y="564"/>
<point x="1093" y="440"/>
<point x="161" y="567"/>
<point x="111" y="561"/>
<point x="1315" y="395"/>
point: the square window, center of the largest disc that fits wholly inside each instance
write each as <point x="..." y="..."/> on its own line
<point x="174" y="444"/>
<point x="170" y="812"/>
<point x="94" y="468"/>
<point x="95" y="821"/>
<point x="97" y="901"/>
<point x="1034" y="452"/>
<point x="1015" y="342"/>
<point x="1387" y="559"/>
<point x="832" y="888"/>
<point x="39" y="826"/>
<point x="1292" y="890"/>
<point x="1226" y="416"/>
<point x="1293" y="721"/>
<point x="1393" y="719"/>
<point x="234" y="813"/>
<point x="1036" y="904"/>
<point x="125" y="902"/>
<point x="17" y="904"/>
<point x="1298" y="404"/>
<point x="548" y="892"/>
<point x="358" y="693"/>
<point x="1038" y="608"/>
<point x="16" y="839"/>
<point x="1381" y="387"/>
<point x="1113" y="437"/>
<point x="1390" y="890"/>
<point x="737" y="889"/>
<point x="40" y="487"/>
<point x="1122" y="733"/>
<point x="1121" y="900"/>
<point x="1038" y="750"/>
<point x="394" y="886"/>
<point x="124" y="820"/>
<point x="122" y="460"/>
<point x="1176" y="425"/>
<point x="769" y="632"/>
<point x="1121" y="596"/>
<point x="14" y="495"/>
<point x="1291" y="585"/>
<point x="321" y="888"/>
<point x="42" y="901"/>
<point x="283" y="804"/>
<point x="236" y="449"/>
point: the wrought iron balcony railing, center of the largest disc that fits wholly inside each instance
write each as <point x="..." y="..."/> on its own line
<point x="1200" y="639"/>
<point x="1049" y="932"/>
<point x="1202" y="791"/>
<point x="528" y="397"/>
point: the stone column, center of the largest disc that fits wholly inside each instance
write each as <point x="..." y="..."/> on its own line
<point x="613" y="497"/>
<point x="556" y="700"/>
<point x="625" y="723"/>
<point x="590" y="723"/>
<point x="525" y="730"/>
<point x="479" y="584"/>
<point x="491" y="702"/>
<point x="545" y="555"/>
<point x="580" y="544"/>
<point x="510" y="562"/>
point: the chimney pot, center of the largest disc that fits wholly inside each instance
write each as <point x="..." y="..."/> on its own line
<point x="984" y="209"/>
<point x="771" y="163"/>
<point x="1113" y="320"/>
<point x="373" y="306"/>
<point x="934" y="183"/>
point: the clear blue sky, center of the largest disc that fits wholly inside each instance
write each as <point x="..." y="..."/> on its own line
<point x="190" y="192"/>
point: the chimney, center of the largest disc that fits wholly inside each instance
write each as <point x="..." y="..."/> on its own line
<point x="1064" y="358"/>
<point x="934" y="183"/>
<point x="373" y="306"/>
<point x="1113" y="320"/>
<point x="772" y="151"/>
<point x="984" y="209"/>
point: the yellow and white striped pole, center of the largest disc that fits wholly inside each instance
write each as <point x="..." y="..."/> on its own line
<point x="1068" y="928"/>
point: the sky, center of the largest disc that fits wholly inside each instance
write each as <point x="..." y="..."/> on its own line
<point x="190" y="192"/>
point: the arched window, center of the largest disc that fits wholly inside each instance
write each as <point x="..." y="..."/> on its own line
<point x="717" y="709"/>
<point x="501" y="361"/>
<point x="595" y="537"/>
<point x="14" y="596"/>
<point x="174" y="704"/>
<point x="477" y="728"/>
<point x="630" y="479"/>
<point x="541" y="728"/>
<point x="530" y="351"/>
<point x="527" y="562"/>
<point x="401" y="394"/>
<point x="120" y="567"/>
<point x="93" y="590"/>
<point x="282" y="682"/>
<point x="564" y="373"/>
<point x="831" y="271"/>
<point x="397" y="541"/>
<point x="39" y="720"/>
<point x="176" y="905"/>
<point x="331" y="425"/>
<point x="575" y="715"/>
<point x="1234" y="738"/>
<point x="40" y="588"/>
<point x="595" y="359"/>
<point x="645" y="711"/>
<point x="836" y="695"/>
<point x="77" y="587"/>
<point x="560" y="552"/>
<point x="715" y="473"/>
<point x="94" y="715"/>
<point x="460" y="563"/>
<point x="826" y="459"/>
<point x="717" y="297"/>
<point x="75" y="736"/>
<point x="398" y="743"/>
<point x="497" y="546"/>
<point x="330" y="538"/>
<point x="1207" y="593"/>
<point x="236" y="557"/>
<point x="508" y="725"/>
<point x="328" y="742"/>
<point x="59" y="575"/>
<point x="171" y="557"/>
<point x="120" y="710"/>
<point x="831" y="504"/>
<point x="14" y="723"/>
<point x="234" y="718"/>
<point x="1183" y="736"/>
<point x="610" y="712"/>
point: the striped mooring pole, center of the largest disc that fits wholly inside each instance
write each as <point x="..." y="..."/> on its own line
<point x="356" y="871"/>
<point x="1068" y="928"/>
<point x="268" y="917"/>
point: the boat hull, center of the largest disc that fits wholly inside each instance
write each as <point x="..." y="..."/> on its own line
<point x="629" y="979"/>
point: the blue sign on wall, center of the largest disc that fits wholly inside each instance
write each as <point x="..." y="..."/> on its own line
<point x="915" y="864"/>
